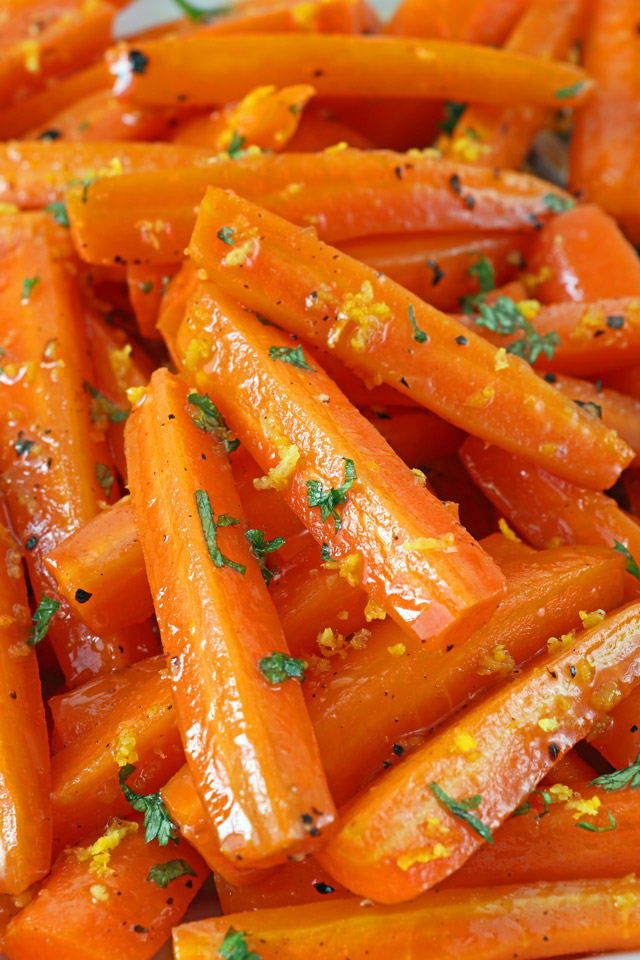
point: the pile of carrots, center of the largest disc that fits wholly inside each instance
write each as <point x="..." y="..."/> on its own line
<point x="320" y="481"/>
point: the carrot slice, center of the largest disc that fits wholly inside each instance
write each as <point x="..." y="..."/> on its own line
<point x="147" y="285"/>
<point x="213" y="641"/>
<point x="203" y="69"/>
<point x="414" y="828"/>
<point x="472" y="21"/>
<point x="287" y="275"/>
<point x="534" y="920"/>
<point x="98" y="116"/>
<point x="33" y="111"/>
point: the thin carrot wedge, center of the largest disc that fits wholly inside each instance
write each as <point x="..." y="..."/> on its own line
<point x="37" y="172"/>
<point x="616" y="738"/>
<point x="320" y="127"/>
<point x="33" y="111"/>
<point x="175" y="299"/>
<point x="502" y="136"/>
<point x="45" y="40"/>
<point x="563" y="265"/>
<point x="87" y="910"/>
<point x="85" y="791"/>
<point x="448" y="478"/>
<point x="25" y="816"/>
<point x="403" y="123"/>
<point x="266" y="118"/>
<point x="204" y="69"/>
<point x="490" y="923"/>
<point x="57" y="467"/>
<point x="147" y="284"/>
<point x="549" y="511"/>
<point x="436" y="267"/>
<point x="98" y="116"/>
<point x="417" y="436"/>
<point x="472" y="21"/>
<point x="505" y="546"/>
<point x="592" y="338"/>
<point x="381" y="693"/>
<point x="295" y="280"/>
<point x="246" y="794"/>
<point x="365" y="395"/>
<point x="414" y="827"/>
<point x="344" y="194"/>
<point x="429" y="575"/>
<point x="570" y="768"/>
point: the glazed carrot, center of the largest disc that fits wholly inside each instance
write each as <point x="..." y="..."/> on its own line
<point x="57" y="467"/>
<point x="86" y="910"/>
<point x="449" y="480"/>
<point x="319" y="127"/>
<point x="401" y="837"/>
<point x="33" y="111"/>
<point x="174" y="304"/>
<point x="25" y="816"/>
<point x="571" y="768"/>
<point x="502" y="136"/>
<point x="417" y="436"/>
<point x="147" y="284"/>
<point x="549" y="511"/>
<point x="625" y="379"/>
<point x="436" y="267"/>
<point x="98" y="116"/>
<point x="403" y="123"/>
<point x="631" y="483"/>
<point x="345" y="193"/>
<point x="535" y="920"/>
<point x="504" y="547"/>
<point x="472" y="21"/>
<point x="290" y="885"/>
<point x="221" y="676"/>
<point x="265" y="117"/>
<point x="381" y="693"/>
<point x="204" y="69"/>
<point x="85" y="791"/>
<point x="364" y="394"/>
<point x="460" y="379"/>
<point x="604" y="145"/>
<point x="563" y="258"/>
<point x="431" y="577"/>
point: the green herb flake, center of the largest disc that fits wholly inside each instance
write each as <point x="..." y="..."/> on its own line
<point x="292" y="355"/>
<point x="590" y="407"/>
<point x="210" y="531"/>
<point x="47" y="609"/>
<point x="461" y="808"/>
<point x="105" y="478"/>
<point x="483" y="272"/>
<point x="328" y="500"/>
<point x="22" y="445"/>
<point x="164" y="873"/>
<point x="147" y="286"/>
<point x="211" y="420"/>
<point x="565" y="92"/>
<point x="557" y="203"/>
<point x="235" y="147"/>
<point x="226" y="235"/>
<point x="101" y="406"/>
<point x="234" y="947"/>
<point x="592" y="827"/>
<point x="632" y="566"/>
<point x="27" y="288"/>
<point x="279" y="667"/>
<point x="198" y="15"/>
<point x="418" y="334"/>
<point x="326" y="553"/>
<point x="523" y="809"/>
<point x="452" y="113"/>
<point x="58" y="211"/>
<point x="619" y="779"/>
<point x="546" y="801"/>
<point x="504" y="317"/>
<point x="157" y="822"/>
<point x="260" y="548"/>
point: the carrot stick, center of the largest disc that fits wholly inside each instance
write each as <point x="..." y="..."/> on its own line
<point x="549" y="511"/>
<point x="413" y="829"/>
<point x="344" y="194"/>
<point x="431" y="577"/>
<point x="625" y="379"/>
<point x="25" y="817"/>
<point x="450" y="481"/>
<point x="563" y="253"/>
<point x="147" y="285"/>
<point x="417" y="436"/>
<point x="320" y="127"/>
<point x="502" y="136"/>
<point x="403" y="123"/>
<point x="571" y="768"/>
<point x="534" y="920"/>
<point x="461" y="380"/>
<point x="221" y="677"/>
<point x="17" y="119"/>
<point x="204" y="69"/>
<point x="98" y="116"/>
<point x="85" y="909"/>
<point x="504" y="547"/>
<point x="472" y="21"/>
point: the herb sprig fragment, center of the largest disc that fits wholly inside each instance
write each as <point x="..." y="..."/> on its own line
<point x="278" y="667"/>
<point x="101" y="406"/>
<point x="260" y="548"/>
<point x="157" y="822"/>
<point x="164" y="873"/>
<point x="619" y="779"/>
<point x="482" y="270"/>
<point x="328" y="500"/>
<point x="234" y="947"/>
<point x="47" y="609"/>
<point x="291" y="355"/>
<point x="632" y="564"/>
<point x="210" y="526"/>
<point x="461" y="809"/>
<point x="211" y="420"/>
<point x="505" y="317"/>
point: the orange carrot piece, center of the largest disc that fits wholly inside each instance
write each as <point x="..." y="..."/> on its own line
<point x="345" y="194"/>
<point x="213" y="640"/>
<point x="450" y="481"/>
<point x="403" y="123"/>
<point x="571" y="768"/>
<point x="295" y="280"/>
<point x="203" y="69"/>
<point x="489" y="923"/>
<point x="417" y="436"/>
<point x="626" y="380"/>
<point x="17" y="119"/>
<point x="83" y="912"/>
<point x="549" y="511"/>
<point x="98" y="116"/>
<point x="401" y="837"/>
<point x="563" y="257"/>
<point x="25" y="816"/>
<point x="504" y="547"/>
<point x="431" y="576"/>
<point x="320" y="127"/>
<point x="147" y="285"/>
<point x="472" y="21"/>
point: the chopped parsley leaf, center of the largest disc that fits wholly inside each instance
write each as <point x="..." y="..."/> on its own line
<point x="105" y="478"/>
<point x="27" y="288"/>
<point x="260" y="548"/>
<point x="58" y="211"/>
<point x="292" y="355"/>
<point x="452" y="113"/>
<point x="164" y="873"/>
<point x="22" y="445"/>
<point x="147" y="286"/>
<point x="47" y="608"/>
<point x="326" y="553"/>
<point x="195" y="13"/>
<point x="226" y="235"/>
<point x="234" y="947"/>
<point x="211" y="420"/>
<point x="328" y="500"/>
<point x="590" y="407"/>
<point x="504" y="317"/>
<point x="619" y="779"/>
<point x="210" y="531"/>
<point x="632" y="566"/>
<point x="557" y="203"/>
<point x="101" y="406"/>
<point x="482" y="270"/>
<point x="157" y="822"/>
<point x="461" y="808"/>
<point x="279" y="667"/>
<point x="565" y="92"/>
<point x="592" y="827"/>
<point x="418" y="334"/>
<point x="235" y="147"/>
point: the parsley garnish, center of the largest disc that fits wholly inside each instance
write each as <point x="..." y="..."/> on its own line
<point x="619" y="779"/>
<point x="211" y="420"/>
<point x="292" y="355"/>
<point x="226" y="235"/>
<point x="592" y="827"/>
<point x="235" y="147"/>
<point x="101" y="406"/>
<point x="260" y="548"/>
<point x="164" y="873"/>
<point x="546" y="800"/>
<point x="22" y="445"/>
<point x="27" y="287"/>
<point x="210" y="530"/>
<point x="418" y="334"/>
<point x="328" y="500"/>
<point x="590" y="407"/>
<point x="58" y="211"/>
<point x="279" y="667"/>
<point x="194" y="13"/>
<point x="522" y="809"/>
<point x="147" y="286"/>
<point x="461" y="808"/>
<point x="47" y="608"/>
<point x="482" y="270"/>
<point x="326" y="553"/>
<point x="105" y="478"/>
<point x="557" y="203"/>
<point x="452" y="113"/>
<point x="504" y="317"/>
<point x="157" y="822"/>
<point x="565" y="92"/>
<point x="632" y="566"/>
